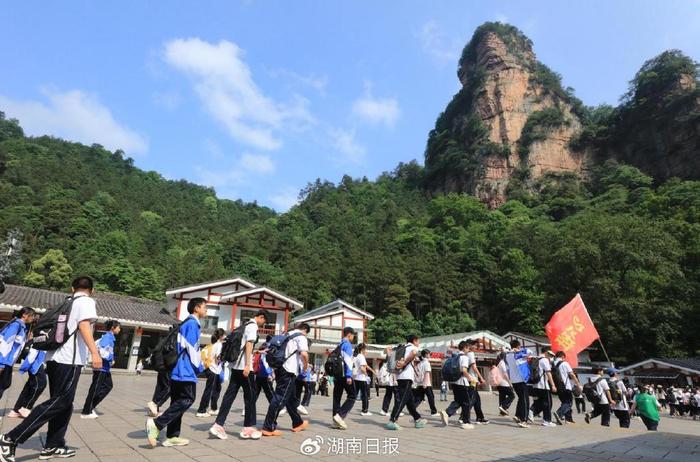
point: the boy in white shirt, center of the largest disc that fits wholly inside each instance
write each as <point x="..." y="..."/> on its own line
<point x="620" y="408"/>
<point x="602" y="407"/>
<point x="405" y="376"/>
<point x="543" y="390"/>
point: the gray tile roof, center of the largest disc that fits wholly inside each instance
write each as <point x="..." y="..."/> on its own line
<point x="109" y="305"/>
<point x="690" y="363"/>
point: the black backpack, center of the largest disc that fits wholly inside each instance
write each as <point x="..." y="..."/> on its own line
<point x="556" y="376"/>
<point x="231" y="349"/>
<point x="51" y="330"/>
<point x="451" y="370"/>
<point x="165" y="356"/>
<point x="399" y="354"/>
<point x="276" y="350"/>
<point x="334" y="364"/>
<point x="535" y="376"/>
<point x="614" y="391"/>
<point x="590" y="391"/>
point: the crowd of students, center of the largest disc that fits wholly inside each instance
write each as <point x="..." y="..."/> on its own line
<point x="279" y="367"/>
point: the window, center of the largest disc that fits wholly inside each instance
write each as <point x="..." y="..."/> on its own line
<point x="210" y="323"/>
<point x="269" y="327"/>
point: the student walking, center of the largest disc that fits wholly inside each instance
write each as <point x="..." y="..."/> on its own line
<point x="344" y="383"/>
<point x="477" y="379"/>
<point x="214" y="372"/>
<point x="183" y="379"/>
<point x="264" y="376"/>
<point x="388" y="378"/>
<point x="12" y="339"/>
<point x="304" y="390"/>
<point x="543" y="390"/>
<point x="63" y="370"/>
<point x="519" y="373"/>
<point x="33" y="364"/>
<point x="460" y="388"/>
<point x="425" y="384"/>
<point x="296" y="353"/>
<point x="503" y="385"/>
<point x="604" y="399"/>
<point x="160" y="394"/>
<point x="242" y="376"/>
<point x="404" y="377"/>
<point x="139" y="367"/>
<point x="566" y="381"/>
<point x="101" y="378"/>
<point x="580" y="400"/>
<point x="648" y="408"/>
<point x="360" y="376"/>
<point x="619" y="393"/>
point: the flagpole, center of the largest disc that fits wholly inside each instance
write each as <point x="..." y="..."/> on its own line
<point x="604" y="352"/>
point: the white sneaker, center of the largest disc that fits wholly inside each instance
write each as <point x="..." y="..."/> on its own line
<point x="218" y="431"/>
<point x="282" y="412"/>
<point x="383" y="413"/>
<point x="402" y="414"/>
<point x="91" y="415"/>
<point x="445" y="418"/>
<point x="341" y="423"/>
<point x="243" y="413"/>
<point x="437" y="414"/>
<point x="503" y="410"/>
<point x="202" y="414"/>
<point x="467" y="426"/>
<point x="548" y="424"/>
<point x="152" y="409"/>
<point x="250" y="433"/>
<point x="302" y="410"/>
<point x="366" y="413"/>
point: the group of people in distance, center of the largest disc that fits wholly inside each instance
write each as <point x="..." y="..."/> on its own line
<point x="283" y="360"/>
<point x="60" y="367"/>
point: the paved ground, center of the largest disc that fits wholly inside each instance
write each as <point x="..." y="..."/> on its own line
<point x="118" y="436"/>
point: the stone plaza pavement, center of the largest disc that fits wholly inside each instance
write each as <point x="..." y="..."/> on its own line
<point x="118" y="435"/>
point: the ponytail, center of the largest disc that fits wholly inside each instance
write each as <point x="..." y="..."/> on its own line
<point x="25" y="310"/>
<point x="111" y="324"/>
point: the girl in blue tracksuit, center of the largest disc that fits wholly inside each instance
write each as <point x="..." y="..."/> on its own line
<point x="102" y="378"/>
<point x="34" y="365"/>
<point x="12" y="340"/>
<point x="263" y="377"/>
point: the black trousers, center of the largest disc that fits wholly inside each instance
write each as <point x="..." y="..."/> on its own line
<point x="362" y="392"/>
<point x="5" y="379"/>
<point x="340" y="385"/>
<point x="580" y="404"/>
<point x="405" y="398"/>
<point x="462" y="400"/>
<point x="602" y="410"/>
<point x="99" y="389"/>
<point x="391" y="392"/>
<point x="182" y="395"/>
<point x="542" y="404"/>
<point x="523" y="406"/>
<point x="421" y="393"/>
<point x="308" y="391"/>
<point x="162" y="391"/>
<point x="212" y="390"/>
<point x="566" y="397"/>
<point x="36" y="383"/>
<point x="237" y="381"/>
<point x="265" y="385"/>
<point x="57" y="410"/>
<point x="652" y="425"/>
<point x="623" y="417"/>
<point x="285" y="397"/>
<point x="505" y="397"/>
<point x="475" y="399"/>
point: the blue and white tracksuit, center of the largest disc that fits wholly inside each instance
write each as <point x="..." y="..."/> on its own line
<point x="341" y="383"/>
<point x="101" y="378"/>
<point x="36" y="382"/>
<point x="12" y="340"/>
<point x="183" y="380"/>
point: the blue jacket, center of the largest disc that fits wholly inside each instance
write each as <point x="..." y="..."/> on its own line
<point x="105" y="346"/>
<point x="12" y="340"/>
<point x="189" y="362"/>
<point x="33" y="361"/>
<point x="521" y="361"/>
<point x="346" y="353"/>
<point x="265" y="369"/>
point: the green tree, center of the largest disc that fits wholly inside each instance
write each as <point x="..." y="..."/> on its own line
<point x="51" y="271"/>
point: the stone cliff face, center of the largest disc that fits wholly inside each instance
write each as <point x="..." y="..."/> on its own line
<point x="506" y="96"/>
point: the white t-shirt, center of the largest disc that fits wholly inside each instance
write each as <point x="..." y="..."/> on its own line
<point x="295" y="346"/>
<point x="426" y="370"/>
<point x="215" y="366"/>
<point x="250" y="334"/>
<point x="83" y="309"/>
<point x="544" y="366"/>
<point x="504" y="373"/>
<point x="564" y="371"/>
<point x="621" y="404"/>
<point x="360" y="361"/>
<point x="408" y="372"/>
<point x="464" y="363"/>
<point x="601" y="389"/>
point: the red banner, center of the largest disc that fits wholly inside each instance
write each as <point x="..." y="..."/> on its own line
<point x="571" y="330"/>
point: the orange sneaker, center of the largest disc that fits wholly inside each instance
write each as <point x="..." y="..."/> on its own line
<point x="301" y="426"/>
<point x="271" y="433"/>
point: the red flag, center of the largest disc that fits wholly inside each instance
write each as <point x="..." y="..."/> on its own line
<point x="571" y="330"/>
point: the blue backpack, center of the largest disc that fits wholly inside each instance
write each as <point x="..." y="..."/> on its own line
<point x="276" y="349"/>
<point x="451" y="370"/>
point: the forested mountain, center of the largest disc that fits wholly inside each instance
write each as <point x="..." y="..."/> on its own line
<point x="419" y="257"/>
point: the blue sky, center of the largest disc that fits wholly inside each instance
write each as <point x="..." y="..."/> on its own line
<point x="258" y="98"/>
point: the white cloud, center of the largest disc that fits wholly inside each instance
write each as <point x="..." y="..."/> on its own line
<point x="376" y="110"/>
<point x="258" y="164"/>
<point x="285" y="199"/>
<point x="434" y="41"/>
<point x="344" y="142"/>
<point x="74" y="115"/>
<point x="317" y="82"/>
<point x="225" y="85"/>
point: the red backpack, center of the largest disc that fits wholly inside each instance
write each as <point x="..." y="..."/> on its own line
<point x="257" y="359"/>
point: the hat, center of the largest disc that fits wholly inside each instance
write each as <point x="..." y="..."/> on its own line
<point x="549" y="352"/>
<point x="612" y="371"/>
